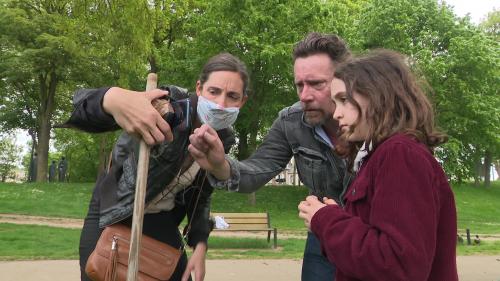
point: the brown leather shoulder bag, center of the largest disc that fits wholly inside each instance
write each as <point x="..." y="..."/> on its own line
<point x="109" y="260"/>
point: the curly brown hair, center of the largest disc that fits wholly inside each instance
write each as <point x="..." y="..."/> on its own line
<point x="397" y="102"/>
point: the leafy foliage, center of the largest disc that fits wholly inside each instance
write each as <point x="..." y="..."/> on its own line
<point x="264" y="40"/>
<point x="461" y="65"/>
<point x="9" y="153"/>
<point x="491" y="25"/>
<point x="83" y="152"/>
<point x="50" y="48"/>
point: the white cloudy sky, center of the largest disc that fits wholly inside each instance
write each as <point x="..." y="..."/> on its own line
<point x="478" y="9"/>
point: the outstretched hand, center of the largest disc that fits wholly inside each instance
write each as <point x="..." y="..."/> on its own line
<point x="207" y="149"/>
<point x="135" y="114"/>
<point x="309" y="207"/>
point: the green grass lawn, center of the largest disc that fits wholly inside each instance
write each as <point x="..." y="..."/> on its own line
<point x="53" y="200"/>
<point x="28" y="242"/>
<point x="477" y="210"/>
<point x="280" y="201"/>
<point x="485" y="248"/>
<point x="71" y="200"/>
<point x="477" y="207"/>
<point x="254" y="248"/>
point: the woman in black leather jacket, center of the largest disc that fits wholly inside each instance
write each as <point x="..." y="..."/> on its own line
<point x="175" y="181"/>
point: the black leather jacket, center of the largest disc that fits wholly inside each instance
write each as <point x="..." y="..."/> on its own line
<point x="118" y="185"/>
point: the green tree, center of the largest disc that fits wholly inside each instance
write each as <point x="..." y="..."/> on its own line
<point x="465" y="80"/>
<point x="9" y="154"/>
<point x="459" y="62"/>
<point x="491" y="25"/>
<point x="262" y="34"/>
<point x="83" y="153"/>
<point x="34" y="42"/>
<point x="407" y="26"/>
<point x="49" y="47"/>
<point x="169" y="20"/>
<point x="342" y="17"/>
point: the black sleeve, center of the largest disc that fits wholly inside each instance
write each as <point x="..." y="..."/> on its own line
<point x="88" y="114"/>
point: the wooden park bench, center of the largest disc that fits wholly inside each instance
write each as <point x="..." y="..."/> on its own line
<point x="249" y="222"/>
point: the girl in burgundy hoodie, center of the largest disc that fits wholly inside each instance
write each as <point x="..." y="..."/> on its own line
<point x="398" y="220"/>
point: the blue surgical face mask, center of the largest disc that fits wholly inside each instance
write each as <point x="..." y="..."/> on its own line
<point x="214" y="115"/>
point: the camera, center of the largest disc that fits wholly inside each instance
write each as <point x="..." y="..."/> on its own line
<point x="175" y="112"/>
<point x="174" y="108"/>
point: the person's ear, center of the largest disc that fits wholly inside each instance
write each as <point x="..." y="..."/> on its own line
<point x="199" y="88"/>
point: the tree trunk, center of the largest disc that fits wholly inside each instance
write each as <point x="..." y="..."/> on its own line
<point x="34" y="145"/>
<point x="43" y="149"/>
<point x="488" y="159"/>
<point x="243" y="153"/>
<point x="67" y="175"/>
<point x="242" y="145"/>
<point x="477" y="171"/>
<point x="252" y="140"/>
<point x="153" y="66"/>
<point x="48" y="85"/>
<point x="251" y="145"/>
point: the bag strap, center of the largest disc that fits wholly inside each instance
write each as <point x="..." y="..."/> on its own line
<point x="188" y="227"/>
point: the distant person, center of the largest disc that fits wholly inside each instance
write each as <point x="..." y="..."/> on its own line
<point x="32" y="169"/>
<point x="399" y="220"/>
<point x="52" y="171"/>
<point x="62" y="167"/>
<point x="477" y="240"/>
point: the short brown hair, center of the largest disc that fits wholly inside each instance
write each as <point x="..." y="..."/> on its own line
<point x="317" y="43"/>
<point x="397" y="102"/>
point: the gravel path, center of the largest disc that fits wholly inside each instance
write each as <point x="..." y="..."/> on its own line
<point x="78" y="224"/>
<point x="471" y="268"/>
<point x="49" y="221"/>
